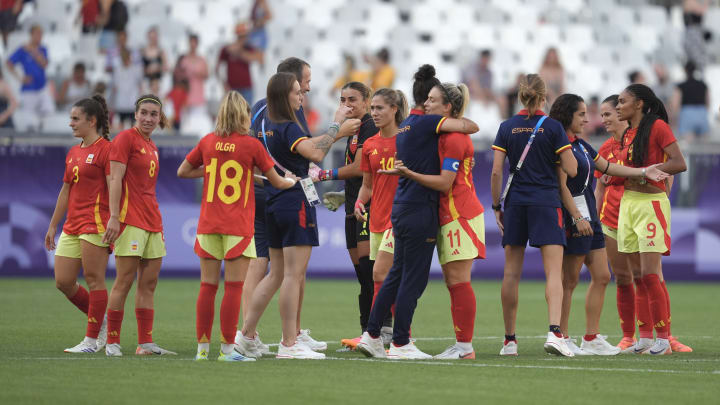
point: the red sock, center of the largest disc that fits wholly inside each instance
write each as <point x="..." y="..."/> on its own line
<point x="642" y="310"/>
<point x="115" y="319"/>
<point x="626" y="309"/>
<point x="81" y="299"/>
<point x="377" y="284"/>
<point x="658" y="305"/>
<point x="145" y="317"/>
<point x="589" y="338"/>
<point x="667" y="298"/>
<point x="463" y="307"/>
<point x="230" y="310"/>
<point x="96" y="311"/>
<point x="205" y="311"/>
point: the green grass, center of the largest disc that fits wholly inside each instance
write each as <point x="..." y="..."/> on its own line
<point x="36" y="323"/>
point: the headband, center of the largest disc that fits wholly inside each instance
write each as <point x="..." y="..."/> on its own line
<point x="152" y="100"/>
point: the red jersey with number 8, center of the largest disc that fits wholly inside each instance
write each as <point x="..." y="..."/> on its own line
<point x="85" y="171"/>
<point x="379" y="153"/>
<point x="138" y="203"/>
<point x="228" y="200"/>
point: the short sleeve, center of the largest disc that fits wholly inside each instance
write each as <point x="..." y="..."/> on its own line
<point x="452" y="146"/>
<point x="44" y="51"/>
<point x="433" y="121"/>
<point x="293" y="136"/>
<point x="104" y="160"/>
<point x="121" y="148"/>
<point x="561" y="141"/>
<point x="365" y="159"/>
<point x="663" y="134"/>
<point x="15" y="57"/>
<point x="262" y="158"/>
<point x="367" y="130"/>
<point x="67" y="177"/>
<point x="500" y="141"/>
<point x="223" y="55"/>
<point x="591" y="151"/>
<point x="195" y="156"/>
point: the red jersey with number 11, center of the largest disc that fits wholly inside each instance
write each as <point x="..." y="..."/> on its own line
<point x="379" y="153"/>
<point x="228" y="200"/>
<point x="85" y="171"/>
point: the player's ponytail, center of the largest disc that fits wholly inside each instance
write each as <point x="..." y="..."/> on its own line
<point x="531" y="93"/>
<point x="96" y="107"/>
<point x="151" y="98"/>
<point x="652" y="110"/>
<point x="394" y="98"/>
<point x="233" y="115"/>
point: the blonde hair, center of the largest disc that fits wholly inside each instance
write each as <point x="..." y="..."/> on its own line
<point x="458" y="96"/>
<point x="531" y="93"/>
<point x="233" y="115"/>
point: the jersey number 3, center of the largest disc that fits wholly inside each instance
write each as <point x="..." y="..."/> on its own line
<point x="225" y="181"/>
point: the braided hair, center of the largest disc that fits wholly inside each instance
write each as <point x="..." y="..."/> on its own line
<point x="96" y="107"/>
<point x="652" y="110"/>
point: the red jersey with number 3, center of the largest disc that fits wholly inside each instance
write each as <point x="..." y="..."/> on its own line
<point x="612" y="150"/>
<point x="85" y="171"/>
<point x="379" y="153"/>
<point x="228" y="200"/>
<point x="138" y="203"/>
<point x="456" y="154"/>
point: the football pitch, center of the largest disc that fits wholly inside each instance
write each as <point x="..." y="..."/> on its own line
<point x="37" y="323"/>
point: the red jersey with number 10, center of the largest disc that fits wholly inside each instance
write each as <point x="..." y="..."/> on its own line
<point x="379" y="153"/>
<point x="138" y="204"/>
<point x="85" y="171"/>
<point x="461" y="200"/>
<point x="228" y="200"/>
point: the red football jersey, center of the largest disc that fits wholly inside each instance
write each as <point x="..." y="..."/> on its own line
<point x="228" y="200"/>
<point x="138" y="203"/>
<point x="456" y="153"/>
<point x="85" y="171"/>
<point x="614" y="152"/>
<point x="660" y="137"/>
<point x="379" y="153"/>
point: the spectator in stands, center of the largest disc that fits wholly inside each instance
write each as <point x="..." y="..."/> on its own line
<point x="479" y="77"/>
<point x="126" y="89"/>
<point x="553" y="73"/>
<point x="636" y="77"/>
<point x="90" y="16"/>
<point x="194" y="69"/>
<point x="154" y="60"/>
<point x="312" y="116"/>
<point x="74" y="88"/>
<point x="382" y="73"/>
<point x="33" y="57"/>
<point x="8" y="104"/>
<point x="350" y="74"/>
<point x="664" y="88"/>
<point x="113" y="57"/>
<point x="512" y="105"/>
<point x="9" y="10"/>
<point x="178" y="98"/>
<point x="695" y="36"/>
<point x="259" y="16"/>
<point x="113" y="18"/>
<point x="595" y="124"/>
<point x="692" y="99"/>
<point x="237" y="57"/>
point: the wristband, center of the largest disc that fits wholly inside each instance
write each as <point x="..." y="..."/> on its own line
<point x="324" y="175"/>
<point x="497" y="207"/>
<point x="644" y="172"/>
<point x="578" y="219"/>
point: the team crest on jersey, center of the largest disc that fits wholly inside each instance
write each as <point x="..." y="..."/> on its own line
<point x="89" y="158"/>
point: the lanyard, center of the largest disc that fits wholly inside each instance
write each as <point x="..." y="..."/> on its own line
<point x="522" y="158"/>
<point x="587" y="159"/>
<point x="262" y="127"/>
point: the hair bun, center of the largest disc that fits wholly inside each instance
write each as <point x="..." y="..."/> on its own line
<point x="425" y="72"/>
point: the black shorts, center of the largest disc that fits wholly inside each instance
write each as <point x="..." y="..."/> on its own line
<point x="356" y="231"/>
<point x="261" y="240"/>
<point x="8" y="21"/>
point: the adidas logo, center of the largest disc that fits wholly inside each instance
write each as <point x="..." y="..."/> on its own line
<point x="455" y="252"/>
<point x="389" y="245"/>
<point x="113" y="333"/>
<point x="652" y="243"/>
<point x="142" y="151"/>
<point x="92" y="319"/>
<point x="659" y="324"/>
<point x="457" y="329"/>
<point x="363" y="233"/>
<point x="374" y="152"/>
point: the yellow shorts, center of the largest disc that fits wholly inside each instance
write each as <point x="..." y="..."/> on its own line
<point x="69" y="245"/>
<point x="382" y="242"/>
<point x="218" y="246"/>
<point x="644" y="223"/>
<point x="610" y="232"/>
<point x="462" y="239"/>
<point x="134" y="241"/>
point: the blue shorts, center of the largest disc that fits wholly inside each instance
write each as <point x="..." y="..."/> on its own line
<point x="693" y="119"/>
<point x="538" y="225"/>
<point x="261" y="242"/>
<point x="582" y="245"/>
<point x="291" y="227"/>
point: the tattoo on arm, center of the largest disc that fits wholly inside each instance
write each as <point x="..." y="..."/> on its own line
<point x="324" y="143"/>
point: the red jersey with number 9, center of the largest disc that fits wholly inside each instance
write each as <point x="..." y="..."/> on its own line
<point x="228" y="200"/>
<point x="461" y="200"/>
<point x="85" y="171"/>
<point x="138" y="203"/>
<point x="379" y="153"/>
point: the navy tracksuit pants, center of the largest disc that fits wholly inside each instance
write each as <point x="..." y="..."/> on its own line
<point x="415" y="227"/>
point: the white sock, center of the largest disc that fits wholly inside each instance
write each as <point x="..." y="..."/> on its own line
<point x="203" y="347"/>
<point x="466" y="347"/>
<point x="90" y="340"/>
<point x="238" y="334"/>
<point x="226" y="348"/>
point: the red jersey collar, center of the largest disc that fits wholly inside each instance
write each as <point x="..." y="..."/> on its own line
<point x="525" y="112"/>
<point x="571" y="137"/>
<point x="417" y="112"/>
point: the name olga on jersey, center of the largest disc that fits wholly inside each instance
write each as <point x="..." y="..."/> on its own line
<point x="225" y="146"/>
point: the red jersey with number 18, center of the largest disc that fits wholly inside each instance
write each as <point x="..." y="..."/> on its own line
<point x="379" y="153"/>
<point x="85" y="171"/>
<point x="138" y="203"/>
<point x="456" y="154"/>
<point x="228" y="200"/>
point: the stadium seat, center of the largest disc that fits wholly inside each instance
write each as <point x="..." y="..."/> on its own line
<point x="579" y="36"/>
<point x="157" y="10"/>
<point x="55" y="123"/>
<point x="644" y="38"/>
<point x="186" y="11"/>
<point x="383" y="16"/>
<point x="482" y="36"/>
<point x="654" y="16"/>
<point x="25" y="121"/>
